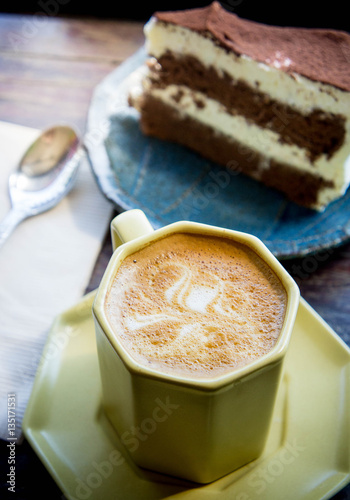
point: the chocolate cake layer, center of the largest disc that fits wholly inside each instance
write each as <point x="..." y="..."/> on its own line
<point x="317" y="132"/>
<point x="319" y="54"/>
<point x="162" y="121"/>
<point x="273" y="100"/>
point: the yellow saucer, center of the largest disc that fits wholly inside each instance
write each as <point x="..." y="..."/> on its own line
<point x="307" y="455"/>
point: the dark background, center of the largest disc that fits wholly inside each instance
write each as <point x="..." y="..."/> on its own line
<point x="308" y="13"/>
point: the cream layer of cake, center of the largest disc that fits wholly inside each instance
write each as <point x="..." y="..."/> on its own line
<point x="307" y="128"/>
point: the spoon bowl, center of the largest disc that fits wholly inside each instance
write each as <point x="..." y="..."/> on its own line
<point x="45" y="174"/>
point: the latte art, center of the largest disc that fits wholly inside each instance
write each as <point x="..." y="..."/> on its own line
<point x="198" y="305"/>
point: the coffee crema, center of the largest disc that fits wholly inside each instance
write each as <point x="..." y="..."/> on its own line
<point x="195" y="305"/>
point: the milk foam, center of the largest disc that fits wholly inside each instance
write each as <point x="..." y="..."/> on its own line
<point x="195" y="304"/>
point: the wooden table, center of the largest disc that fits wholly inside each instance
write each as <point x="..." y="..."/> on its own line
<point x="49" y="67"/>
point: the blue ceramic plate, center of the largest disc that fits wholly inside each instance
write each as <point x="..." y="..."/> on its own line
<point x="170" y="183"/>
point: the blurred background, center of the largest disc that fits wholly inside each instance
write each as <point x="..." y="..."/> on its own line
<point x="307" y="13"/>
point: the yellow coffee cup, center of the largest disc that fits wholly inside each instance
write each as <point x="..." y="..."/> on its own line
<point x="197" y="429"/>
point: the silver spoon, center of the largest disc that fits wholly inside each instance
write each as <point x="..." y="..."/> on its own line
<point x="44" y="176"/>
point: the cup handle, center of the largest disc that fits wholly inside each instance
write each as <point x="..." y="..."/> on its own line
<point x="129" y="225"/>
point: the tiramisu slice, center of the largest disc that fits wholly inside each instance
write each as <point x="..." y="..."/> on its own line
<point x="271" y="101"/>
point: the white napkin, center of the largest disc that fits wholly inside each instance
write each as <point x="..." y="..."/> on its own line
<point x="45" y="266"/>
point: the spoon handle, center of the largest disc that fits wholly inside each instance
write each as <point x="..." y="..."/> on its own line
<point x="10" y="221"/>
